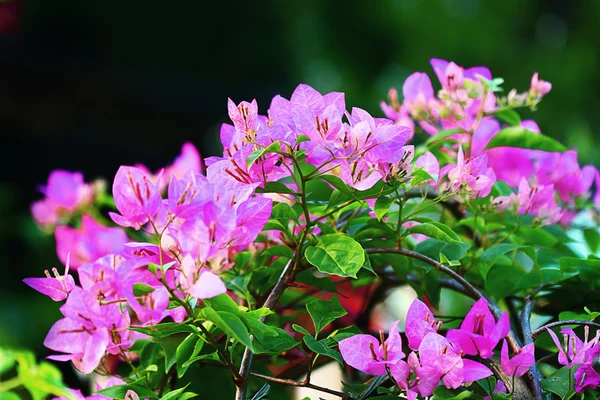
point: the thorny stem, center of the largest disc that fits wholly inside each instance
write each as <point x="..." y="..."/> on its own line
<point x="292" y="382"/>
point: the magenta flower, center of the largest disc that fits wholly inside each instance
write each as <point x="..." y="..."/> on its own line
<point x="377" y="140"/>
<point x="429" y="164"/>
<point x="575" y="351"/>
<point x="479" y="333"/>
<point x="136" y="197"/>
<point x="472" y="174"/>
<point x="57" y="288"/>
<point x="200" y="283"/>
<point x="372" y="356"/>
<point x="88" y="243"/>
<point x="539" y="88"/>
<point x="244" y="116"/>
<point x="65" y="192"/>
<point x="439" y="359"/>
<point x="452" y="76"/>
<point x="586" y="378"/>
<point x="419" y="323"/>
<point x="85" y="332"/>
<point x="520" y="363"/>
<point x="188" y="160"/>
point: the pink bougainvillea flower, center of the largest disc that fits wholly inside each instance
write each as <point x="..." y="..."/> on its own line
<point x="188" y="160"/>
<point x="200" y="283"/>
<point x="64" y="192"/>
<point x="377" y="140"/>
<point x="83" y="335"/>
<point x="429" y="164"/>
<point x="451" y="75"/>
<point x="419" y="323"/>
<point x="57" y="288"/>
<point x="136" y="197"/>
<point x="371" y="356"/>
<point x="472" y="174"/>
<point x="244" y="116"/>
<point x="586" y="378"/>
<point x="397" y="112"/>
<point x="479" y="333"/>
<point x="439" y="359"/>
<point x="575" y="351"/>
<point x="539" y="88"/>
<point x="520" y="363"/>
<point x="88" y="243"/>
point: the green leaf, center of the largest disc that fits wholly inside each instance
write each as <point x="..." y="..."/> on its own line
<point x="275" y="187"/>
<point x="279" y="251"/>
<point x="140" y="289"/>
<point x="339" y="184"/>
<point x="274" y="344"/>
<point x="336" y="254"/>
<point x="9" y="396"/>
<point x="432" y="249"/>
<point x="516" y="136"/>
<point x="7" y="360"/>
<point x="382" y="206"/>
<point x="436" y="230"/>
<point x="300" y="329"/>
<point x="274" y="147"/>
<point x="165" y="329"/>
<point x="324" y="312"/>
<point x="442" y="393"/>
<point x="174" y="394"/>
<point x="189" y="348"/>
<point x="320" y="347"/>
<point x="119" y="391"/>
<point x="230" y="324"/>
<point x="376" y="382"/>
<point x="558" y="382"/>
<point x="511" y="117"/>
<point x="490" y="256"/>
<point x="442" y="135"/>
<point x="223" y="302"/>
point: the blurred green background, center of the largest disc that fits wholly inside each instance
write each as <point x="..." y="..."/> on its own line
<point x="89" y="86"/>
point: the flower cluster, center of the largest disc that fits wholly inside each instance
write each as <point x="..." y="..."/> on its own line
<point x="435" y="357"/>
<point x="294" y="201"/>
<point x="468" y="111"/>
<point x="199" y="226"/>
<point x="575" y="352"/>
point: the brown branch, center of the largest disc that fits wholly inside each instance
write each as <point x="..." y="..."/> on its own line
<point x="284" y="280"/>
<point x="541" y="330"/>
<point x="292" y="382"/>
<point x="470" y="290"/>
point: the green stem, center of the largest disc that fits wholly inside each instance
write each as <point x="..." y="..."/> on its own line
<point x="10" y="384"/>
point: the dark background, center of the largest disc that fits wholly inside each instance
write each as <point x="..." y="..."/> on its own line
<point x="90" y="85"/>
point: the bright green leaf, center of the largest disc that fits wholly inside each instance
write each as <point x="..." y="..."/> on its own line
<point x="324" y="312"/>
<point x="515" y="136"/>
<point x="336" y="254"/>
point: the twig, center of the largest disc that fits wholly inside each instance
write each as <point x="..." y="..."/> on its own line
<point x="469" y="289"/>
<point x="534" y="373"/>
<point x="541" y="330"/>
<point x="276" y="292"/>
<point x="292" y="382"/>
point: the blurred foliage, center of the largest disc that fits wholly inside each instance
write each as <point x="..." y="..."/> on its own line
<point x="91" y="85"/>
